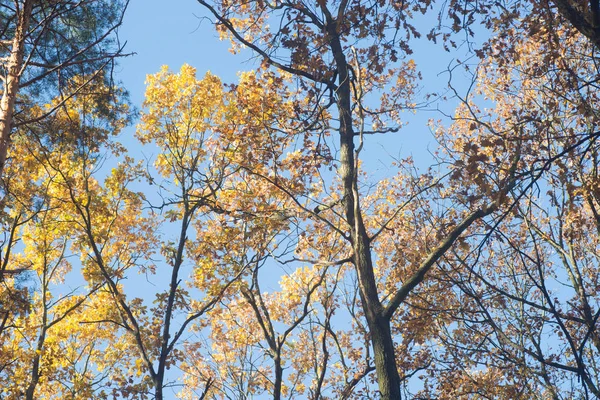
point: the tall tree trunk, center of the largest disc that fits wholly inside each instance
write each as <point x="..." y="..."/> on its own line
<point x="382" y="341"/>
<point x="14" y="68"/>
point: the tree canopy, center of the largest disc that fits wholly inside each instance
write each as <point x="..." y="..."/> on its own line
<point x="257" y="254"/>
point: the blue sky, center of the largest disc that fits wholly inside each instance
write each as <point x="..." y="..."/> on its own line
<point x="171" y="35"/>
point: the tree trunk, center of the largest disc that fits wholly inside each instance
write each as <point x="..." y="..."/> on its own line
<point x="158" y="391"/>
<point x="35" y="368"/>
<point x="278" y="377"/>
<point x="388" y="378"/>
<point x="382" y="341"/>
<point x="14" y="67"/>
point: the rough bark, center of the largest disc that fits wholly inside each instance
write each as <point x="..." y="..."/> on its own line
<point x="382" y="341"/>
<point x="587" y="22"/>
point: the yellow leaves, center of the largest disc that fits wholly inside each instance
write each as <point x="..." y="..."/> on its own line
<point x="207" y="131"/>
<point x="62" y="206"/>
<point x="181" y="111"/>
<point x="56" y="336"/>
<point x="138" y="367"/>
<point x="179" y="102"/>
<point x="203" y="272"/>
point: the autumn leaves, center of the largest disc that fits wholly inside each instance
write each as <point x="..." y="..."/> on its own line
<point x="248" y="252"/>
